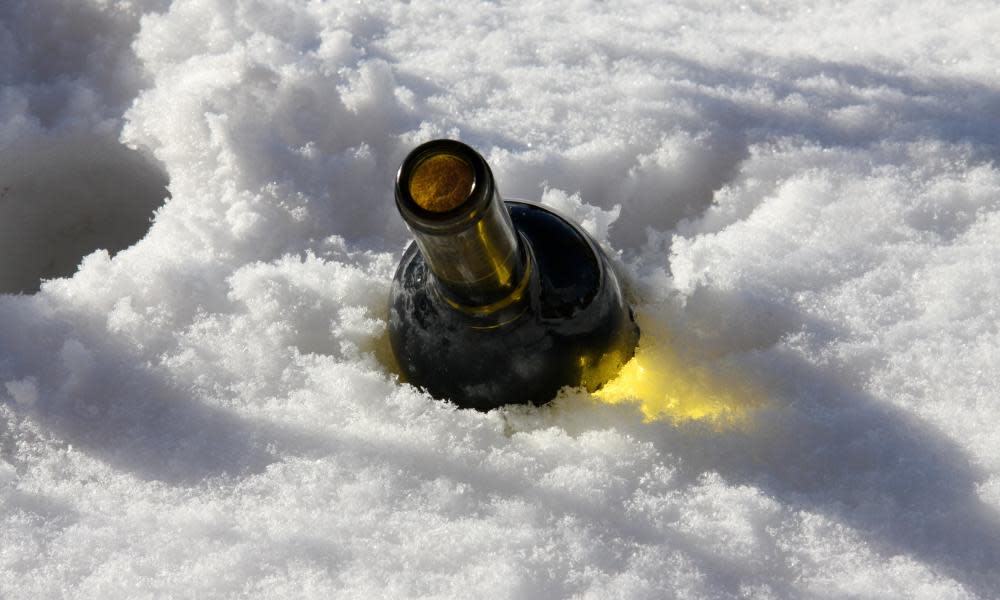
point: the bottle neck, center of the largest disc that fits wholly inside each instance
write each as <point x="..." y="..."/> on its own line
<point x="449" y="200"/>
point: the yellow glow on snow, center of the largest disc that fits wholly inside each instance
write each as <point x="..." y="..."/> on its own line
<point x="669" y="387"/>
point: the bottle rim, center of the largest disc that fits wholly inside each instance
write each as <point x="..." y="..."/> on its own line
<point x="466" y="213"/>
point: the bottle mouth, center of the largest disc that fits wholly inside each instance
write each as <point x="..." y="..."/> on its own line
<point x="443" y="186"/>
<point x="441" y="182"/>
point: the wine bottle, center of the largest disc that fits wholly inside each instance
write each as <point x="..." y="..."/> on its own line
<point x="498" y="302"/>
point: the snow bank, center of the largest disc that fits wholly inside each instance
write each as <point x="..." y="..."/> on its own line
<point x="804" y="201"/>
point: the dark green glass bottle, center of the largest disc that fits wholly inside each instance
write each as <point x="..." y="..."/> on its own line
<point x="498" y="302"/>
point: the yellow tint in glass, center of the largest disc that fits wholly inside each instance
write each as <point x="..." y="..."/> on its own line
<point x="441" y="182"/>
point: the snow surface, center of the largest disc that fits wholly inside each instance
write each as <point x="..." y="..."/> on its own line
<point x="803" y="198"/>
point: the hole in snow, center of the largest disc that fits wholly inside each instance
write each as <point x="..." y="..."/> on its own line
<point x="62" y="197"/>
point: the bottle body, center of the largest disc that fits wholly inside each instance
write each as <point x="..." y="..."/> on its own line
<point x="549" y="312"/>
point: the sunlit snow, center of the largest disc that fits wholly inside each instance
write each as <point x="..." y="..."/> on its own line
<point x="803" y="200"/>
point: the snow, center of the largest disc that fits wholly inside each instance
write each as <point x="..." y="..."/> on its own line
<point x="803" y="198"/>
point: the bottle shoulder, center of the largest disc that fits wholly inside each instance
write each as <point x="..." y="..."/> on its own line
<point x="568" y="270"/>
<point x="569" y="267"/>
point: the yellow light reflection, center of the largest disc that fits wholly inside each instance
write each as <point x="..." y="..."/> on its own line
<point x="669" y="386"/>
